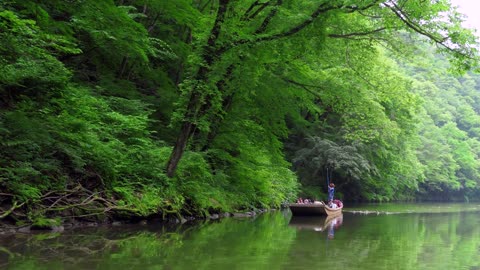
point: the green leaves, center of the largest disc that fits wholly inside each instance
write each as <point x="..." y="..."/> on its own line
<point x="26" y="59"/>
<point x="113" y="30"/>
<point x="321" y="155"/>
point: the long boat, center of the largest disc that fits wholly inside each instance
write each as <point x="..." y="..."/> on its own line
<point x="314" y="209"/>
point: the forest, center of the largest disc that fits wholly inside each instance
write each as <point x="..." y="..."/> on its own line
<point x="141" y="108"/>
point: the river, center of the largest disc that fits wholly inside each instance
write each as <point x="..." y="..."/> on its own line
<point x="374" y="236"/>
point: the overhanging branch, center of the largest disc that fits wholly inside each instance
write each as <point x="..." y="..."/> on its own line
<point x="269" y="18"/>
<point x="303" y="86"/>
<point x="322" y="8"/>
<point x="417" y="28"/>
<point x="356" y="34"/>
<point x="247" y="16"/>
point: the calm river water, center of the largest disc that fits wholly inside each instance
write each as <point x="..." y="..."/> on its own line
<point x="386" y="236"/>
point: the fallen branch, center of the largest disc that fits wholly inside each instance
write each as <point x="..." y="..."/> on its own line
<point x="9" y="211"/>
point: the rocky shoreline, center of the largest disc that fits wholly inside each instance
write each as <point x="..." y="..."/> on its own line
<point x="7" y="228"/>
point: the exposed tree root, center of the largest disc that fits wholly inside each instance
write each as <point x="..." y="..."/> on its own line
<point x="77" y="202"/>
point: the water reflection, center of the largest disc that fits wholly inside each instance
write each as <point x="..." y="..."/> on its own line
<point x="326" y="224"/>
<point x="225" y="244"/>
<point x="271" y="241"/>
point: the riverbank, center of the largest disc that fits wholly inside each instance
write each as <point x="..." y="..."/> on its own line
<point x="8" y="227"/>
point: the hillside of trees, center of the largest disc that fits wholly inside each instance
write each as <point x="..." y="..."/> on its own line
<point x="139" y="108"/>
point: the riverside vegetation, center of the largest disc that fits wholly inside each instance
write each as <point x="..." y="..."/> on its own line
<point x="140" y="108"/>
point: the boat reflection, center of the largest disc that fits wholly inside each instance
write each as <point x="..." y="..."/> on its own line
<point x="319" y="224"/>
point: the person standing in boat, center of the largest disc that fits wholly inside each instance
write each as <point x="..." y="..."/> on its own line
<point x="331" y="191"/>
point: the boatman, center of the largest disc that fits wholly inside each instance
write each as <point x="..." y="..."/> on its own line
<point x="331" y="190"/>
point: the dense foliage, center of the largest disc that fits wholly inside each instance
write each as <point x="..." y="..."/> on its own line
<point x="144" y="107"/>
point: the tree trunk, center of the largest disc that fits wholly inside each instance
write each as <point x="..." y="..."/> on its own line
<point x="123" y="67"/>
<point x="179" y="148"/>
<point x="209" y="55"/>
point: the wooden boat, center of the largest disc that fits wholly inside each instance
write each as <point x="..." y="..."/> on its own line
<point x="314" y="209"/>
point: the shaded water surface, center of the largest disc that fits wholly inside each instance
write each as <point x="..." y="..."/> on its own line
<point x="388" y="236"/>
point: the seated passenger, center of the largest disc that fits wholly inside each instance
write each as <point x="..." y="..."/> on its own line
<point x="338" y="203"/>
<point x="332" y="205"/>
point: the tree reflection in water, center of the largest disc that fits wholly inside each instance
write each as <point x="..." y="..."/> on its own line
<point x="270" y="241"/>
<point x="225" y="244"/>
